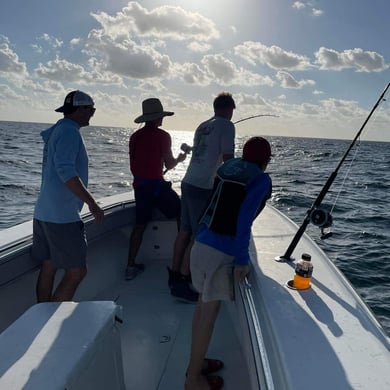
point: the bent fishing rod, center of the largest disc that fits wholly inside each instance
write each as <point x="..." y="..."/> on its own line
<point x="254" y="116"/>
<point x="325" y="189"/>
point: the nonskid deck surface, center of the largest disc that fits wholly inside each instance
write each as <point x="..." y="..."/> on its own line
<point x="156" y="329"/>
<point x="325" y="334"/>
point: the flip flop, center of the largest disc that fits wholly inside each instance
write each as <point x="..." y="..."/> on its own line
<point x="215" y="382"/>
<point x="211" y="365"/>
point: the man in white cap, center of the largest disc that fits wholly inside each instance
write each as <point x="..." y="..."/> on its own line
<point x="150" y="151"/>
<point x="59" y="240"/>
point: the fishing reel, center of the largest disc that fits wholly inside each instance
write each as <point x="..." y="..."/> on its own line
<point x="186" y="148"/>
<point x="323" y="219"/>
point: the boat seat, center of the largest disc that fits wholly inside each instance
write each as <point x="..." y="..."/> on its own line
<point x="63" y="345"/>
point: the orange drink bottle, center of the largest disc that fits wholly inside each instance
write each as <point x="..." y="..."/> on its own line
<point x="303" y="272"/>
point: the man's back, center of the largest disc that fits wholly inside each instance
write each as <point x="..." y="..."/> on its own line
<point x="146" y="148"/>
<point x="213" y="139"/>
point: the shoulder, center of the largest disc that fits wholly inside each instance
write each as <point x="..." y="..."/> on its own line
<point x="262" y="180"/>
<point x="66" y="128"/>
<point x="163" y="132"/>
<point x="224" y="126"/>
<point x="67" y="123"/>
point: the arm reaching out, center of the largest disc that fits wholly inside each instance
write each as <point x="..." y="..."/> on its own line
<point x="78" y="188"/>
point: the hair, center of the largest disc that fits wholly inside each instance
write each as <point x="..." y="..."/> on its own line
<point x="224" y="100"/>
<point x="257" y="150"/>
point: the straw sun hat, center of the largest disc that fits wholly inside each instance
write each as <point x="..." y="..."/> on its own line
<point x="152" y="109"/>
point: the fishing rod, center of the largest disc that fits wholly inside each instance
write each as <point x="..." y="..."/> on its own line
<point x="314" y="214"/>
<point x="254" y="116"/>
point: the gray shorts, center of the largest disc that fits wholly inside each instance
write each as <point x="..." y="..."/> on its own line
<point x="212" y="273"/>
<point x="193" y="203"/>
<point x="64" y="244"/>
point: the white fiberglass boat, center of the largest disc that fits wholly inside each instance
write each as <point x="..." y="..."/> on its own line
<point x="134" y="335"/>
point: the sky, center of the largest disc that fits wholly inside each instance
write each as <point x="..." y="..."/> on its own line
<point x="312" y="68"/>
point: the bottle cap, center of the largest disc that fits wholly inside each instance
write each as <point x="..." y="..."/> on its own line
<point x="306" y="256"/>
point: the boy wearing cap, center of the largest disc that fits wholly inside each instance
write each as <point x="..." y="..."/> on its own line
<point x="150" y="150"/>
<point x="58" y="232"/>
<point x="221" y="250"/>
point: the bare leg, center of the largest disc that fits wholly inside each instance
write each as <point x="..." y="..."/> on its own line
<point x="135" y="243"/>
<point x="179" y="249"/>
<point x="45" y="282"/>
<point x="203" y="322"/>
<point x="185" y="264"/>
<point x="69" y="283"/>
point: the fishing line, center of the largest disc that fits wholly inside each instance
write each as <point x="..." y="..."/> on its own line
<point x="357" y="150"/>
<point x="346" y="176"/>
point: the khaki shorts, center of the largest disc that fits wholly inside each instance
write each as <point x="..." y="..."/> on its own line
<point x="212" y="273"/>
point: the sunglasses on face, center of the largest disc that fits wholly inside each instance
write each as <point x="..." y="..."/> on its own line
<point x="92" y="109"/>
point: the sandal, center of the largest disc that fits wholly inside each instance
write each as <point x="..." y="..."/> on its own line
<point x="215" y="382"/>
<point x="211" y="365"/>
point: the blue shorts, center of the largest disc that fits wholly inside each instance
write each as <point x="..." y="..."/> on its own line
<point x="194" y="201"/>
<point x="64" y="244"/>
<point x="155" y="194"/>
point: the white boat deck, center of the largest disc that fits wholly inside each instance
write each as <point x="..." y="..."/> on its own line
<point x="323" y="337"/>
<point x="156" y="329"/>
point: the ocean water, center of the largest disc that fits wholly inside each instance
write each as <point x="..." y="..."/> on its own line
<point x="358" y="198"/>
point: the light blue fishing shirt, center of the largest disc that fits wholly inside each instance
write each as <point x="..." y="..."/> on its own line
<point x="64" y="157"/>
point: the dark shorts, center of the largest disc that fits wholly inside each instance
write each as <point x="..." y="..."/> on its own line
<point x="155" y="194"/>
<point x="194" y="201"/>
<point x="64" y="244"/>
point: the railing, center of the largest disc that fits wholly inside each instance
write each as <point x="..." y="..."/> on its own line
<point x="263" y="369"/>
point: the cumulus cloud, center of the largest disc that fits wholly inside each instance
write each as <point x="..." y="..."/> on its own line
<point x="341" y="108"/>
<point x="225" y="72"/>
<point x="199" y="47"/>
<point x="300" y="5"/>
<point x="317" y="12"/>
<point x="272" y="56"/>
<point x="163" y="22"/>
<point x="246" y="99"/>
<point x="51" y="41"/>
<point x="75" y="42"/>
<point x="194" y="74"/>
<point x="9" y="61"/>
<point x="288" y="81"/>
<point x="132" y="43"/>
<point x="7" y="93"/>
<point x="46" y="44"/>
<point x="128" y="58"/>
<point x="63" y="70"/>
<point x="150" y="85"/>
<point x="358" y="59"/>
